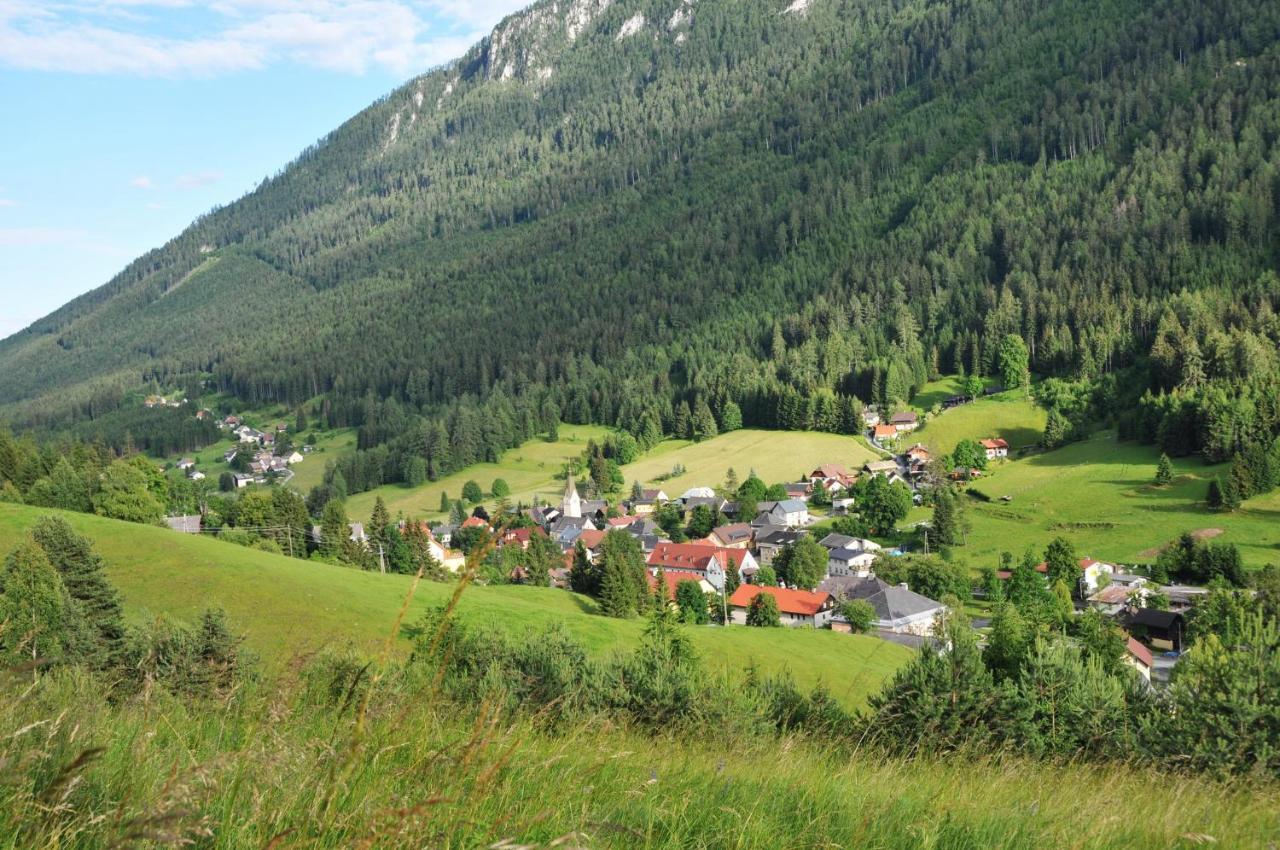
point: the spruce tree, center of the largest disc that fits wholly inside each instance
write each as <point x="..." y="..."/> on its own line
<point x="1164" y="470"/>
<point x="335" y="530"/>
<point x="1214" y="498"/>
<point x="35" y="608"/>
<point x="82" y="574"/>
<point x="378" y="523"/>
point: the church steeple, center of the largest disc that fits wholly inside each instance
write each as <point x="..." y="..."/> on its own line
<point x="571" y="504"/>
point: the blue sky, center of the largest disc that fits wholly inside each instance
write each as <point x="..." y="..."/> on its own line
<point x="125" y="119"/>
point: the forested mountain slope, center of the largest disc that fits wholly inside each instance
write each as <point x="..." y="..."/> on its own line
<point x="614" y="208"/>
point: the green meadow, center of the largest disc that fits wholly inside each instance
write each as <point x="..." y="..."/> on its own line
<point x="1101" y="495"/>
<point x="1011" y="416"/>
<point x="287" y="607"/>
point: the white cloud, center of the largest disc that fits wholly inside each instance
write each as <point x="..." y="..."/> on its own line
<point x="198" y="179"/>
<point x="142" y="182"/>
<point x="173" y="38"/>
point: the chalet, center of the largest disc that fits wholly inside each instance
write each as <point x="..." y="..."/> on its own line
<point x="231" y="422"/>
<point x="186" y="463"/>
<point x="789" y="512"/>
<point x="194" y="474"/>
<point x="735" y="536"/>
<point x="904" y="420"/>
<point x="772" y="542"/>
<point x="870" y="416"/>
<point x="995" y="448"/>
<point x="519" y="537"/>
<point x="185" y="524"/>
<point x="899" y="610"/>
<point x="881" y="433"/>
<point x="1139" y="658"/>
<point x="919" y="453"/>
<point x="711" y="562"/>
<point x="1112" y="599"/>
<point x="281" y="427"/>
<point x="795" y="607"/>
<point x="1162" y="629"/>
<point x="832" y="477"/>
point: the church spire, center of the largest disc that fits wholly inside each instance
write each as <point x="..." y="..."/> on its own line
<point x="571" y="504"/>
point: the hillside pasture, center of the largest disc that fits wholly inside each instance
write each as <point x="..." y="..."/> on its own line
<point x="287" y="607"/>
<point x="1101" y="495"/>
<point x="1010" y="416"/>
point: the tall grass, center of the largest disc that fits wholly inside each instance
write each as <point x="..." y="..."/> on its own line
<point x="342" y="752"/>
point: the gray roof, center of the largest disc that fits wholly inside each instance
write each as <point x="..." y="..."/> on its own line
<point x="780" y="537"/>
<point x="835" y="541"/>
<point x="891" y="601"/>
<point x="734" y="533"/>
<point x="790" y="505"/>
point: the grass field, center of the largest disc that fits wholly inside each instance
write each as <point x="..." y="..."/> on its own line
<point x="530" y="471"/>
<point x="286" y="606"/>
<point x="1099" y="494"/>
<point x="776" y="456"/>
<point x="1012" y="416"/>
<point x="329" y="444"/>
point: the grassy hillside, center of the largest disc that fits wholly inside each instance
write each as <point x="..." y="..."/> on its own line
<point x="532" y="469"/>
<point x="1100" y="495"/>
<point x="776" y="456"/>
<point x="286" y="606"/>
<point x="529" y="469"/>
<point x="1011" y="416"/>
<point x="418" y="773"/>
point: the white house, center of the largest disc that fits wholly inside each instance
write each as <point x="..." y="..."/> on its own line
<point x="898" y="609"/>
<point x="793" y="513"/>
<point x="995" y="448"/>
<point x="795" y="607"/>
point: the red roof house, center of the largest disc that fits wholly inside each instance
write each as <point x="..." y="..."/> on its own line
<point x="796" y="607"/>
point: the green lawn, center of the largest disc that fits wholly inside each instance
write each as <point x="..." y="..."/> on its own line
<point x="286" y="606"/>
<point x="1099" y="494"/>
<point x="1011" y="416"/>
<point x="776" y="456"/>
<point x="329" y="444"/>
<point x="530" y="471"/>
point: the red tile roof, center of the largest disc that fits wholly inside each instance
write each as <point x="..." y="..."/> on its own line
<point x="885" y="431"/>
<point x="673" y="578"/>
<point x="789" y="601"/>
<point x="474" y="522"/>
<point x="621" y="521"/>
<point x="1139" y="652"/>
<point x="693" y="556"/>
<point x="592" y="539"/>
<point x="997" y="443"/>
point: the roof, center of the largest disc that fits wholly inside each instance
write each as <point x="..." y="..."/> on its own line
<point x="792" y="505"/>
<point x="1154" y="618"/>
<point x="1112" y="594"/>
<point x="803" y="602"/>
<point x="693" y="556"/>
<point x="592" y="539"/>
<point x="733" y="533"/>
<point x="780" y="537"/>
<point x="1139" y="652"/>
<point x="885" y="431"/>
<point x="673" y="578"/>
<point x="474" y="522"/>
<point x="904" y="416"/>
<point x="891" y="601"/>
<point x="997" y="443"/>
<point x="882" y="466"/>
<point x="698" y="493"/>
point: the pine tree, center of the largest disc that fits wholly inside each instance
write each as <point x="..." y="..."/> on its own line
<point x="82" y="574"/>
<point x="1215" y="498"/>
<point x="378" y="523"/>
<point x="335" y="530"/>
<point x="730" y="417"/>
<point x="444" y="502"/>
<point x="1164" y="470"/>
<point x="35" y="608"/>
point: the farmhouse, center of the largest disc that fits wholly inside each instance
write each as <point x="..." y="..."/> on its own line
<point x="1139" y="658"/>
<point x="789" y="512"/>
<point x="995" y="448"/>
<point x="883" y="432"/>
<point x="849" y="556"/>
<point x="870" y="416"/>
<point x="899" y="610"/>
<point x="832" y="477"/>
<point x="904" y="420"/>
<point x="709" y="562"/>
<point x="795" y="607"/>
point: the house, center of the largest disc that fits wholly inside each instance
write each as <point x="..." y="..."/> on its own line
<point x="656" y="496"/>
<point x="881" y="433"/>
<point x="444" y="533"/>
<point x="795" y="607"/>
<point x="565" y="530"/>
<point x="995" y="448"/>
<point x="832" y="477"/>
<point x="799" y="490"/>
<point x="242" y="480"/>
<point x="888" y="468"/>
<point x="711" y="562"/>
<point x="1091" y="573"/>
<point x="186" y="463"/>
<point x="1162" y="629"/>
<point x="1113" y="599"/>
<point x="672" y="579"/>
<point x="231" y="422"/>
<point x="697" y="493"/>
<point x="185" y="524"/>
<point x="519" y="536"/>
<point x="735" y="536"/>
<point x="357" y="532"/>
<point x="849" y="556"/>
<point x="870" y="416"/>
<point x="772" y="542"/>
<point x="904" y="421"/>
<point x="1139" y="658"/>
<point x="714" y="503"/>
<point x="194" y="474"/>
<point x="789" y="512"/>
<point x="899" y="610"/>
<point x="1184" y="597"/>
<point x="230" y="454"/>
<point x="294" y="457"/>
<point x="919" y="453"/>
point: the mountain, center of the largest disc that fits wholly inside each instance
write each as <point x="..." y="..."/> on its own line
<point x="611" y="209"/>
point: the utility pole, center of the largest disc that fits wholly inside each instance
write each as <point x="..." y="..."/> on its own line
<point x="382" y="561"/>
